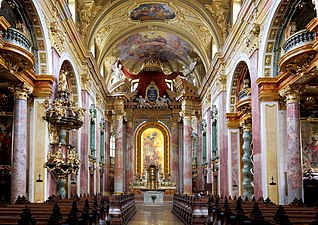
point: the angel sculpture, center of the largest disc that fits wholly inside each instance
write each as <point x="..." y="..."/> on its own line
<point x="188" y="70"/>
<point x="117" y="73"/>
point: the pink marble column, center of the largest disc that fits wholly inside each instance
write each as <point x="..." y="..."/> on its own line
<point x="187" y="154"/>
<point x="235" y="162"/>
<point x="223" y="145"/>
<point x="256" y="131"/>
<point x="19" y="151"/>
<point x="107" y="157"/>
<point x="294" y="168"/>
<point x="200" y="178"/>
<point x="174" y="153"/>
<point x="119" y="161"/>
<point x="208" y="146"/>
<point x="130" y="153"/>
<point x="84" y="146"/>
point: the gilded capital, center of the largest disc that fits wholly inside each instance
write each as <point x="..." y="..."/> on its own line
<point x="246" y="124"/>
<point x="129" y="118"/>
<point x="85" y="81"/>
<point x="221" y="82"/>
<point x="186" y="113"/>
<point x="291" y="95"/>
<point x="21" y="92"/>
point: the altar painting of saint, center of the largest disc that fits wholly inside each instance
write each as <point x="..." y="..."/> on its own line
<point x="309" y="145"/>
<point x="152" y="148"/>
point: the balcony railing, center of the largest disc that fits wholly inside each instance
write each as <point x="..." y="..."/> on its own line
<point x="14" y="36"/>
<point x="299" y="38"/>
<point x="244" y="93"/>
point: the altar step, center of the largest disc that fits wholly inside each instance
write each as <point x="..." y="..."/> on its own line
<point x="154" y="214"/>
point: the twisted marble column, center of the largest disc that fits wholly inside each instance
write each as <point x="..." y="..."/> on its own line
<point x="19" y="151"/>
<point x="247" y="162"/>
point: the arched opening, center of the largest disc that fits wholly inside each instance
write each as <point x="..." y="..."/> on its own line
<point x="241" y="135"/>
<point x="152" y="162"/>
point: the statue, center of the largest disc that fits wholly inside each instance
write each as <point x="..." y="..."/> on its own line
<point x="188" y="70"/>
<point x="63" y="81"/>
<point x="117" y="73"/>
<point x="163" y="101"/>
<point x="143" y="102"/>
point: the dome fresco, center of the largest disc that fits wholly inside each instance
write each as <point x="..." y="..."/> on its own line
<point x="152" y="11"/>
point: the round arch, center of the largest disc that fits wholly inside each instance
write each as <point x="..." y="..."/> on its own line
<point x="67" y="63"/>
<point x="150" y="139"/>
<point x="242" y="66"/>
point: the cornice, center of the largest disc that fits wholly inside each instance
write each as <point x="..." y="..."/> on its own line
<point x="232" y="120"/>
<point x="268" y="89"/>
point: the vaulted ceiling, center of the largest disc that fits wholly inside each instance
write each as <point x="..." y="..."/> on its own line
<point x="177" y="32"/>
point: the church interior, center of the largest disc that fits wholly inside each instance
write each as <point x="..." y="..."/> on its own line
<point x="115" y="97"/>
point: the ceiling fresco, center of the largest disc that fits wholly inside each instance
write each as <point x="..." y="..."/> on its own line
<point x="178" y="34"/>
<point x="152" y="11"/>
<point x="142" y="46"/>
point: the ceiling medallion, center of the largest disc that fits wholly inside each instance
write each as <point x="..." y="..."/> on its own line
<point x="152" y="11"/>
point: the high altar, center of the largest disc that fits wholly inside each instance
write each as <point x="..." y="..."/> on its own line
<point x="152" y="179"/>
<point x="152" y="159"/>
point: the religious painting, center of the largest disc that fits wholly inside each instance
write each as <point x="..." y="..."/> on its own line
<point x="5" y="139"/>
<point x="309" y="145"/>
<point x="152" y="148"/>
<point x="152" y="11"/>
<point x="143" y="46"/>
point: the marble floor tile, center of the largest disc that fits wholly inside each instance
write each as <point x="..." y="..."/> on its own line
<point x="154" y="214"/>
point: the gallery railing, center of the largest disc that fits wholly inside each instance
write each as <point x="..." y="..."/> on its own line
<point x="16" y="37"/>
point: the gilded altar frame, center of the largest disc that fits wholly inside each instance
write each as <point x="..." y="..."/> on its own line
<point x="166" y="137"/>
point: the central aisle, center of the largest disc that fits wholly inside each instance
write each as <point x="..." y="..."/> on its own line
<point x="154" y="214"/>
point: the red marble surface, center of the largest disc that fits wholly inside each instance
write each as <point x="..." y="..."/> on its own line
<point x="294" y="168"/>
<point x="19" y="165"/>
<point x="130" y="155"/>
<point x="119" y="162"/>
<point x="223" y="146"/>
<point x="208" y="145"/>
<point x="84" y="147"/>
<point x="187" y="156"/>
<point x="235" y="163"/>
<point x="256" y="131"/>
<point x="174" y="153"/>
<point x="107" y="157"/>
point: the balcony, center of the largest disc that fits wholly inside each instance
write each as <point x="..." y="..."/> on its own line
<point x="298" y="49"/>
<point x="16" y="37"/>
<point x="297" y="39"/>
